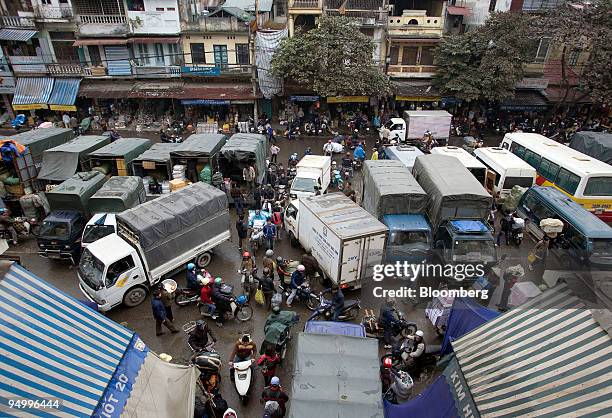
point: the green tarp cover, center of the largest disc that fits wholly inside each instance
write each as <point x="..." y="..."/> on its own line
<point x="118" y="194"/>
<point x="74" y="193"/>
<point x="199" y="146"/>
<point x="61" y="162"/>
<point x="243" y="148"/>
<point x="159" y="153"/>
<point x="38" y="140"/>
<point x="126" y="148"/>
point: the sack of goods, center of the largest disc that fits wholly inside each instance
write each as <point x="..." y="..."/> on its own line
<point x="551" y="226"/>
<point x="178" y="172"/>
<point x="209" y="362"/>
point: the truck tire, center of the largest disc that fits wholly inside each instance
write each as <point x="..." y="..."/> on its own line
<point x="294" y="242"/>
<point x="135" y="296"/>
<point x="203" y="260"/>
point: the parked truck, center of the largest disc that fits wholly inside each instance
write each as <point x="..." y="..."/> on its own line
<point x="415" y="123"/>
<point x="392" y="195"/>
<point x="312" y="172"/>
<point x="344" y="238"/>
<point x="457" y="209"/>
<point x="119" y="193"/>
<point x="61" y="231"/>
<point x="154" y="240"/>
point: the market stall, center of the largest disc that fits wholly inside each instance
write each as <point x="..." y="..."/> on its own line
<point x="61" y="162"/>
<point x="81" y="362"/>
<point x="115" y="159"/>
<point x="155" y="162"/>
<point x="199" y="154"/>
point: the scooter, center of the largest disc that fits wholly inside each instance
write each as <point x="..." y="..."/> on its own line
<point x="516" y="231"/>
<point x="243" y="378"/>
<point x="325" y="310"/>
<point x="186" y="296"/>
<point x="374" y="328"/>
<point x="304" y="294"/>
<point x="248" y="281"/>
<point x="400" y="389"/>
<point x="337" y="179"/>
<point x="401" y="359"/>
<point x="293" y="160"/>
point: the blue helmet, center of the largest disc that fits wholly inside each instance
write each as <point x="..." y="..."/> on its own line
<point x="241" y="300"/>
<point x="190" y="266"/>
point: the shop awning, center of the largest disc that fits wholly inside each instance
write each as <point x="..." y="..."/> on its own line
<point x="525" y="100"/>
<point x="348" y="99"/>
<point x="64" y="94"/>
<point x="219" y="91"/>
<point x="549" y="357"/>
<point x="556" y="95"/>
<point x="415" y="91"/>
<point x="166" y="40"/>
<point x="54" y="347"/>
<point x="32" y="93"/>
<point x="16" y="34"/>
<point x="458" y="11"/>
<point x="100" y="41"/>
<point x="94" y="89"/>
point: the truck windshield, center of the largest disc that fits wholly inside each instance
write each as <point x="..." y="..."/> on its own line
<point x="301" y="184"/>
<point x="91" y="270"/>
<point x="474" y="251"/>
<point x="55" y="230"/>
<point x="602" y="251"/>
<point x="510" y="182"/>
<point x="95" y="232"/>
<point x="409" y="239"/>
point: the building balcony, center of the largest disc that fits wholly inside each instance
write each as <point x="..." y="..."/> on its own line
<point x="157" y="71"/>
<point x="67" y="70"/>
<point x="215" y="24"/>
<point x="203" y="70"/>
<point x="415" y="24"/>
<point x="46" y="13"/>
<point x="154" y="23"/>
<point x="28" y="64"/>
<point x="313" y="7"/>
<point x="102" y="25"/>
<point x="17" y="22"/>
<point x="411" y="71"/>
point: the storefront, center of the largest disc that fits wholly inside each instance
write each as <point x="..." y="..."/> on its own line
<point x="415" y="95"/>
<point x="343" y="109"/>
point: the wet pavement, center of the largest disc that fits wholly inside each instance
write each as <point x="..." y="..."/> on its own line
<point x="225" y="263"/>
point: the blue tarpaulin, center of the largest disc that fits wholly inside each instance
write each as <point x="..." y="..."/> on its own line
<point x="465" y="316"/>
<point x="64" y="94"/>
<point x="337" y="328"/>
<point x="434" y="402"/>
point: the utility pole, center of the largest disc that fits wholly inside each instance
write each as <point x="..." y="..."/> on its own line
<point x="252" y="36"/>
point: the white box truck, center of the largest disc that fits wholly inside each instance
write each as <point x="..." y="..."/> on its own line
<point x="152" y="240"/>
<point x="311" y="171"/>
<point x="344" y="238"/>
<point x="416" y="122"/>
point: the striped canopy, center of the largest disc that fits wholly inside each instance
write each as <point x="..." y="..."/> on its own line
<point x="547" y="358"/>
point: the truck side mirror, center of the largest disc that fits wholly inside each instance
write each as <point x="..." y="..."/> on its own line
<point x="440" y="245"/>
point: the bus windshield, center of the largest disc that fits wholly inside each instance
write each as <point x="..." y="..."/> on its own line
<point x="598" y="186"/>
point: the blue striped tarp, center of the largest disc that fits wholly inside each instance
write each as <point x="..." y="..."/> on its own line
<point x="65" y="91"/>
<point x="32" y="90"/>
<point x="54" y="347"/>
<point x="22" y="35"/>
<point x="548" y="358"/>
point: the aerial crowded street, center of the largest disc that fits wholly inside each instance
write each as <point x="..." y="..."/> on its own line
<point x="305" y="209"/>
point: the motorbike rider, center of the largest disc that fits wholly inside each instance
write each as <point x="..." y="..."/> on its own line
<point x="347" y="163"/>
<point x="415" y="345"/>
<point x="337" y="301"/>
<point x="206" y="297"/>
<point x="192" y="277"/>
<point x="268" y="261"/>
<point x="298" y="277"/>
<point x="198" y="338"/>
<point x="266" y="284"/>
<point x="282" y="179"/>
<point x="222" y="301"/>
<point x="247" y="264"/>
<point x="6" y="224"/>
<point x="281" y="269"/>
<point x="268" y="193"/>
<point x="275" y="392"/>
<point x="359" y="153"/>
<point x="388" y="319"/>
<point x="244" y="349"/>
<point x="307" y="151"/>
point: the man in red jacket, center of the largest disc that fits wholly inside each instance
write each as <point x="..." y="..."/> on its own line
<point x="206" y="298"/>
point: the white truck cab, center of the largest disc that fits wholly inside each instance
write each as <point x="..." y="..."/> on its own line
<point x="397" y="130"/>
<point x="312" y="171"/>
<point x="291" y="221"/>
<point x="99" y="226"/>
<point x="104" y="278"/>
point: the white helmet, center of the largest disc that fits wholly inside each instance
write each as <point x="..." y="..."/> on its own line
<point x="301" y="267"/>
<point x="419" y="333"/>
<point x="205" y="281"/>
<point x="269" y="253"/>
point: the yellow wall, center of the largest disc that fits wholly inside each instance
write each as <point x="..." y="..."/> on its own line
<point x="214" y="39"/>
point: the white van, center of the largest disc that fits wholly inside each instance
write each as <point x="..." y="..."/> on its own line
<point x="478" y="169"/>
<point x="509" y="170"/>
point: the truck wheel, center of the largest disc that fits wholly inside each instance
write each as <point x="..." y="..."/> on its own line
<point x="203" y="260"/>
<point x="294" y="242"/>
<point x="135" y="296"/>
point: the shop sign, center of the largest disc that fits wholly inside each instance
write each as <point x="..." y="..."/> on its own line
<point x="201" y="70"/>
<point x="418" y="98"/>
<point x="32" y="106"/>
<point x="191" y="102"/>
<point x="66" y="108"/>
<point x="348" y="99"/>
<point x="304" y="98"/>
<point x="464" y="403"/>
<point x="532" y="84"/>
<point x="451" y="100"/>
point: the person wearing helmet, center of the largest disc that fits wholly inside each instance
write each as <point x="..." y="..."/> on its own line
<point x="221" y="300"/>
<point x="192" y="277"/>
<point x="337" y="301"/>
<point x="359" y="153"/>
<point x="415" y="346"/>
<point x="266" y="284"/>
<point x="268" y="261"/>
<point x="244" y="349"/>
<point x="248" y="263"/>
<point x="275" y="393"/>
<point x="298" y="277"/>
<point x="198" y="338"/>
<point x="388" y="319"/>
<point x="206" y="297"/>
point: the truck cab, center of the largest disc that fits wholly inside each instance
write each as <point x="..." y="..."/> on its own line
<point x="397" y="130"/>
<point x="104" y="277"/>
<point x="466" y="241"/>
<point x="99" y="226"/>
<point x="290" y="221"/>
<point x="312" y="172"/>
<point x="410" y="238"/>
<point x="60" y="235"/>
<point x="305" y="184"/>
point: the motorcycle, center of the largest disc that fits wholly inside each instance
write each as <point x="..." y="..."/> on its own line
<point x="357" y="164"/>
<point x="248" y="281"/>
<point x="187" y="296"/>
<point x="516" y="231"/>
<point x="277" y="330"/>
<point x="256" y="240"/>
<point x="337" y="180"/>
<point x="426" y="363"/>
<point x="325" y="310"/>
<point x="239" y="307"/>
<point x="374" y="328"/>
<point x="293" y="160"/>
<point x="304" y="294"/>
<point x="207" y="360"/>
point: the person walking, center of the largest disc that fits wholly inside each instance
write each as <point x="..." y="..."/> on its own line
<point x="167" y="299"/>
<point x="275" y="393"/>
<point x="266" y="284"/>
<point x="269" y="233"/>
<point x="159" y="313"/>
<point x="539" y="252"/>
<point x="236" y="195"/>
<point x="66" y="120"/>
<point x="277" y="220"/>
<point x="511" y="276"/>
<point x="257" y="198"/>
<point x="74" y="125"/>
<point x="267" y="362"/>
<point x="374" y="154"/>
<point x="248" y="175"/>
<point x="505" y="227"/>
<point x="274" y="150"/>
<point x="241" y="229"/>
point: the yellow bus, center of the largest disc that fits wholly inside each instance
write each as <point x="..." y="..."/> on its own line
<point x="585" y="179"/>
